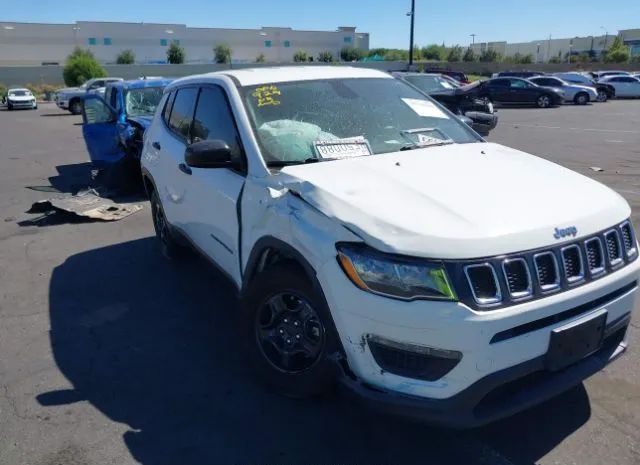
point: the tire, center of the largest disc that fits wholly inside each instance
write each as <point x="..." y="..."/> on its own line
<point x="602" y="96"/>
<point x="170" y="248"/>
<point x="9" y="107"/>
<point x="581" y="98"/>
<point x="543" y="101"/>
<point x="75" y="107"/>
<point x="289" y="333"/>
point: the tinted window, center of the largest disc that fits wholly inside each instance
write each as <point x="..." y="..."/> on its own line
<point x="499" y="83"/>
<point x="214" y="120"/>
<point x="519" y="84"/>
<point x="167" y="108"/>
<point x="182" y="111"/>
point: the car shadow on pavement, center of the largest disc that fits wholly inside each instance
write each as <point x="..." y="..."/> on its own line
<point x="155" y="346"/>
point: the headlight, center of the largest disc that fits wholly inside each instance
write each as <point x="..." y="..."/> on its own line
<point x="402" y="278"/>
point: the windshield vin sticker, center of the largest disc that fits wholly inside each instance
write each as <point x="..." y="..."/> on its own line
<point x="425" y="108"/>
<point x="342" y="148"/>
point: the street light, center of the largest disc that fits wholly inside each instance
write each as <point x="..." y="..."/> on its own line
<point x="473" y="39"/>
<point x="412" y="13"/>
<point x="606" y="36"/>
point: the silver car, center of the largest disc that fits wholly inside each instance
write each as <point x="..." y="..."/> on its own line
<point x="576" y="93"/>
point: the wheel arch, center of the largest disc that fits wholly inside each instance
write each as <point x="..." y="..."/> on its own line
<point x="148" y="182"/>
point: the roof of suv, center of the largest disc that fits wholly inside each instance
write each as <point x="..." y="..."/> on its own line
<point x="267" y="75"/>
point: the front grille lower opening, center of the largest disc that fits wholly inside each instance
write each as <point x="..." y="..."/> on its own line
<point x="484" y="283"/>
<point x="572" y="264"/>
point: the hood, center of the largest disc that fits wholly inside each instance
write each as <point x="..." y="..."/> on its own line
<point x="144" y="121"/>
<point x="20" y="98"/>
<point x="70" y="90"/>
<point x="456" y="201"/>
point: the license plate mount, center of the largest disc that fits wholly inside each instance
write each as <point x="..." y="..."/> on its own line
<point x="573" y="342"/>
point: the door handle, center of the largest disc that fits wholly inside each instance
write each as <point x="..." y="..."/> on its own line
<point x="184" y="168"/>
<point x="156" y="145"/>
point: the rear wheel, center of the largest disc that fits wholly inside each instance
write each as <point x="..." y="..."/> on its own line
<point x="581" y="98"/>
<point x="75" y="106"/>
<point x="602" y="96"/>
<point x="289" y="332"/>
<point x="543" y="101"/>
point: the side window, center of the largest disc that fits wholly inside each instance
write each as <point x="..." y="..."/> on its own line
<point x="214" y="120"/>
<point x="182" y="111"/>
<point x="500" y="83"/>
<point x="518" y="84"/>
<point x="167" y="107"/>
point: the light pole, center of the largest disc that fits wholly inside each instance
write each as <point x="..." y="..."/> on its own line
<point x="473" y="39"/>
<point x="569" y="56"/>
<point x="412" y="13"/>
<point x="538" y="54"/>
<point x="606" y="36"/>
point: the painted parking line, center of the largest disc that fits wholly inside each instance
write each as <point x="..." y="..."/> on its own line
<point x="615" y="131"/>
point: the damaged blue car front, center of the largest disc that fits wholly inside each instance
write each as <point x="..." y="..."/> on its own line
<point x="114" y="125"/>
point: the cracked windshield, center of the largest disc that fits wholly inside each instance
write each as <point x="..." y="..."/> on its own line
<point x="143" y="102"/>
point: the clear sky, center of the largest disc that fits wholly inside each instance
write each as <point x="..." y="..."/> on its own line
<point x="436" y="20"/>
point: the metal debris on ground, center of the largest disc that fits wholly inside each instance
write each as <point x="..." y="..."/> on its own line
<point x="596" y="168"/>
<point x="86" y="204"/>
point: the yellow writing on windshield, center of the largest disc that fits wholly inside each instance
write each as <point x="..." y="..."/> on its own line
<point x="265" y="95"/>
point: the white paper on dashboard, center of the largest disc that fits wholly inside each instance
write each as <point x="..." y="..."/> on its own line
<point x="425" y="108"/>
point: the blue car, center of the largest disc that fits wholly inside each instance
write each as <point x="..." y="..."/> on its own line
<point x="114" y="125"/>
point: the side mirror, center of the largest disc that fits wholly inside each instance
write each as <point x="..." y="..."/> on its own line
<point x="209" y="154"/>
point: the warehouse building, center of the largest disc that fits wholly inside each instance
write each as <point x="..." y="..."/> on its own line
<point x="35" y="44"/>
<point x="545" y="49"/>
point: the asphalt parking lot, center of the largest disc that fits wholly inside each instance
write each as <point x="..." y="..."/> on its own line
<point x="111" y="355"/>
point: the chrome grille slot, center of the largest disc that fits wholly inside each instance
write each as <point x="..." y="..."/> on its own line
<point x="572" y="264"/>
<point x="614" y="248"/>
<point x="595" y="256"/>
<point x="628" y="239"/>
<point x="547" y="271"/>
<point x="516" y="273"/>
<point x="484" y="283"/>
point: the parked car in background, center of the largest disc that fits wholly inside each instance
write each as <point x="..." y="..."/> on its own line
<point x="625" y="85"/>
<point x="578" y="94"/>
<point x="605" y="91"/>
<point x="520" y="74"/>
<point x="457" y="75"/>
<point x="603" y="74"/>
<point x="377" y="242"/>
<point x="518" y="91"/>
<point x="114" y="125"/>
<point x="70" y="98"/>
<point x="18" y="98"/>
<point x="462" y="101"/>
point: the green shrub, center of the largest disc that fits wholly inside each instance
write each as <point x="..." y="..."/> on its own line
<point x="175" y="54"/>
<point x="126" y="57"/>
<point x="300" y="56"/>
<point x="490" y="56"/>
<point x="434" y="52"/>
<point x="325" y="57"/>
<point x="261" y="58"/>
<point x="3" y="90"/>
<point x="351" y="54"/>
<point x="617" y="53"/>
<point x="80" y="66"/>
<point x="396" y="55"/>
<point x="222" y="53"/>
<point x="555" y="60"/>
<point x="455" y="54"/>
<point x="469" y="55"/>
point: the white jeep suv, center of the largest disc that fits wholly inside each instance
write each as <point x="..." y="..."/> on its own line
<point x="377" y="241"/>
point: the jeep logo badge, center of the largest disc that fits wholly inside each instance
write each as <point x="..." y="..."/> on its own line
<point x="560" y="233"/>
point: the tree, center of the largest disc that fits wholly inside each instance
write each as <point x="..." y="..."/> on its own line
<point x="300" y="56"/>
<point x="617" y="53"/>
<point x="469" y="55"/>
<point x="396" y="55"/>
<point x="126" y="57"/>
<point x="175" y="54"/>
<point x="489" y="56"/>
<point x="261" y="58"/>
<point x="80" y="66"/>
<point x="222" y="53"/>
<point x="325" y="57"/>
<point x="351" y="54"/>
<point x="433" y="52"/>
<point x="455" y="53"/>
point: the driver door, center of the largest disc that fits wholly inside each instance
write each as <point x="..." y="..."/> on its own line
<point x="100" y="131"/>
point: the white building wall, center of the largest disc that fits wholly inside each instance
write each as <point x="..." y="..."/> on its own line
<point x="25" y="43"/>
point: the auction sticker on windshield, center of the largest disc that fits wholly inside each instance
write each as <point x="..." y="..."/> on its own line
<point x="342" y="148"/>
<point x="425" y="108"/>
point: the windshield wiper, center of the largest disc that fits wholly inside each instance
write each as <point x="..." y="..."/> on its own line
<point x="282" y="163"/>
<point x="424" y="146"/>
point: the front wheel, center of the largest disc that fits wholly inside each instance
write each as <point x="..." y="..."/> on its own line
<point x="581" y="98"/>
<point x="543" y="101"/>
<point x="75" y="107"/>
<point x="602" y="96"/>
<point x="170" y="248"/>
<point x="9" y="107"/>
<point x="289" y="332"/>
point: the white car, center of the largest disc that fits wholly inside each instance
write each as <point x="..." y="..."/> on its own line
<point x="375" y="240"/>
<point x="20" y="98"/>
<point x="578" y="94"/>
<point x="626" y="86"/>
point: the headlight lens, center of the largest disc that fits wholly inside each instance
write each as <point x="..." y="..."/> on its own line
<point x="392" y="276"/>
